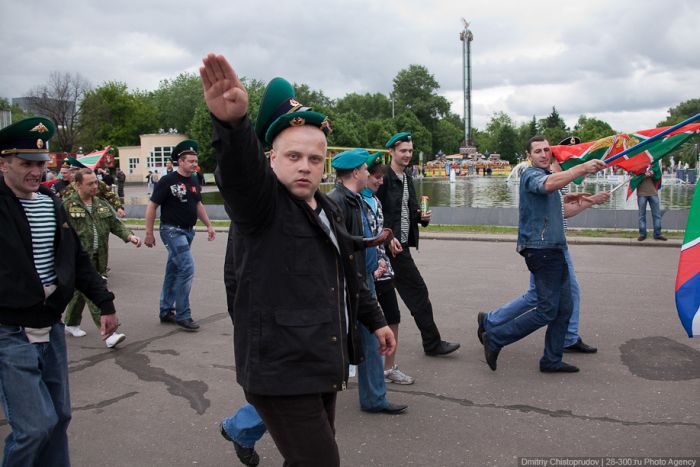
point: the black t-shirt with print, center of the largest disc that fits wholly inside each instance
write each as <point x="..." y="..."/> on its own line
<point x="178" y="197"/>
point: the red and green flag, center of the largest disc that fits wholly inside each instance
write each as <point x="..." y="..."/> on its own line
<point x="95" y="159"/>
<point x="637" y="161"/>
<point x="688" y="277"/>
<point x="655" y="177"/>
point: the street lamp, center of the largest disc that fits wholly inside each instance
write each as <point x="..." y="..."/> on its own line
<point x="467" y="37"/>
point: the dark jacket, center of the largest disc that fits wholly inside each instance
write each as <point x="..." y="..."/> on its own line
<point x="290" y="331"/>
<point x="21" y="292"/>
<point x="390" y="194"/>
<point x="350" y="206"/>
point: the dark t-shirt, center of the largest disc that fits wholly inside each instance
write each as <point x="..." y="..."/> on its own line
<point x="178" y="197"/>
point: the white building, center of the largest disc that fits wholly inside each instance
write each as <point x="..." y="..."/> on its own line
<point x="154" y="152"/>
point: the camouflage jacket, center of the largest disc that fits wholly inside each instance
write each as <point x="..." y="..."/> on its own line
<point x="102" y="219"/>
<point x="103" y="192"/>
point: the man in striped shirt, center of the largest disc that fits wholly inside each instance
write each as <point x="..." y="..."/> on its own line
<point x="41" y="265"/>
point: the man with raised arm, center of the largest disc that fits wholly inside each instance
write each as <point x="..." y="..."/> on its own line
<point x="298" y="297"/>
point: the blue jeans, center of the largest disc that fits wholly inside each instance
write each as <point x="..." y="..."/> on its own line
<point x="179" y="272"/>
<point x="527" y="303"/>
<point x="553" y="308"/>
<point x="655" y="214"/>
<point x="370" y="373"/>
<point x="245" y="427"/>
<point x="35" y="398"/>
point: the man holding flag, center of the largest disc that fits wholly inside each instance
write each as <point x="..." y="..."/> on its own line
<point x="541" y="241"/>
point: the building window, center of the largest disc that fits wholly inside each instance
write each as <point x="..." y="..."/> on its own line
<point x="133" y="161"/>
<point x="159" y="156"/>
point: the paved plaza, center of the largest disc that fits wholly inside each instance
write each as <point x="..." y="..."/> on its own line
<point x="158" y="399"/>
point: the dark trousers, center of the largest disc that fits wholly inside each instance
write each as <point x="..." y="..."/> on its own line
<point x="554" y="306"/>
<point x="414" y="293"/>
<point x="303" y="427"/>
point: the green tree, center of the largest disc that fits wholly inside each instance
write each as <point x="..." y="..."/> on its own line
<point x="368" y="106"/>
<point x="447" y="136"/>
<point x="553" y="127"/>
<point x="349" y="131"/>
<point x="200" y="129"/>
<point x="256" y="89"/>
<point x="415" y="89"/>
<point x="503" y="136"/>
<point x="421" y="136"/>
<point x="682" y="111"/>
<point x="311" y="98"/>
<point x="379" y="130"/>
<point x="111" y="115"/>
<point x="591" y="129"/>
<point x="177" y="100"/>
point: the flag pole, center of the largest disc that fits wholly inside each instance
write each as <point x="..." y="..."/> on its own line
<point x="653" y="138"/>
<point x="620" y="185"/>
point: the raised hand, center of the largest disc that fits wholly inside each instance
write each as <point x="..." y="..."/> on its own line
<point x="225" y="95"/>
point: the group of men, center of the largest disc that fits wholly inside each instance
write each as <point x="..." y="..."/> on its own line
<point x="335" y="262"/>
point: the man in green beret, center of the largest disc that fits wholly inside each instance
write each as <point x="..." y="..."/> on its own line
<point x="402" y="215"/>
<point x="352" y="176"/>
<point x="298" y="294"/>
<point x="43" y="257"/>
<point x="103" y="190"/>
<point x="180" y="199"/>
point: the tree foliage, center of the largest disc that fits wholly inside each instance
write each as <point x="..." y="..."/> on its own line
<point x="554" y="127"/>
<point x="177" y="100"/>
<point x="503" y="137"/>
<point x="591" y="129"/>
<point x="111" y="115"/>
<point x="682" y="111"/>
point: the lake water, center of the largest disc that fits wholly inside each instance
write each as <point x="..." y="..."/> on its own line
<point x="489" y="192"/>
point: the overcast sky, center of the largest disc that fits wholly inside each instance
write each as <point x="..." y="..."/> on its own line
<point x="624" y="61"/>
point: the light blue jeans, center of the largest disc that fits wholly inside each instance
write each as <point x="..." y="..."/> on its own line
<point x="179" y="272"/>
<point x="655" y="214"/>
<point x="370" y="373"/>
<point x="527" y="303"/>
<point x="245" y="427"/>
<point x="35" y="398"/>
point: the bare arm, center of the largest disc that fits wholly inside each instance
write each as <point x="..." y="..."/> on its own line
<point x="149" y="239"/>
<point x="573" y="208"/>
<point x="202" y="215"/>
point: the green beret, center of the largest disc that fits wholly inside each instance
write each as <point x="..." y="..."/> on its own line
<point x="279" y="111"/>
<point x="397" y="138"/>
<point x="349" y="160"/>
<point x="27" y="139"/>
<point x="374" y="159"/>
<point x="73" y="163"/>
<point x="570" y="141"/>
<point x="183" y="147"/>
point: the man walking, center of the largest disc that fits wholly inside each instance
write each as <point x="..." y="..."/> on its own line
<point x="401" y="214"/>
<point x="298" y="296"/>
<point x="648" y="193"/>
<point x="352" y="175"/>
<point x="541" y="241"/>
<point x="93" y="220"/>
<point x="41" y="264"/>
<point x="179" y="196"/>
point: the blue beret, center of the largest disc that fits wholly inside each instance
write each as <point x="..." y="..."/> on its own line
<point x="397" y="138"/>
<point x="349" y="160"/>
<point x="374" y="159"/>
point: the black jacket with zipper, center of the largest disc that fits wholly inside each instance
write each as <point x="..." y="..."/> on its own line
<point x="291" y="335"/>
<point x="390" y="194"/>
<point x="21" y="292"/>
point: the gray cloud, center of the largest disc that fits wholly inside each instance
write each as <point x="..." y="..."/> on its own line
<point x="627" y="61"/>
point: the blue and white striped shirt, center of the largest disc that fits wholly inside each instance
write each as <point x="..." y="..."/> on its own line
<point x="42" y="222"/>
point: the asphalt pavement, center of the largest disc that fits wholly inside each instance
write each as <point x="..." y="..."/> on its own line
<point x="157" y="400"/>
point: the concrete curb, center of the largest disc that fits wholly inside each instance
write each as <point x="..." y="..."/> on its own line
<point x="508" y="238"/>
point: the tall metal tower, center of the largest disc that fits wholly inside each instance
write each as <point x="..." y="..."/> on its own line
<point x="467" y="37"/>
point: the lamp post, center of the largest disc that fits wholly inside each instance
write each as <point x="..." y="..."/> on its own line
<point x="467" y="37"/>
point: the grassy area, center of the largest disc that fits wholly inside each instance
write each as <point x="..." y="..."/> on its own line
<point x="488" y="229"/>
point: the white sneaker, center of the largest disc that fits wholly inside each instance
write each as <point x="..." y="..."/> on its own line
<point x="75" y="331"/>
<point x="114" y="339"/>
<point x="396" y="376"/>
